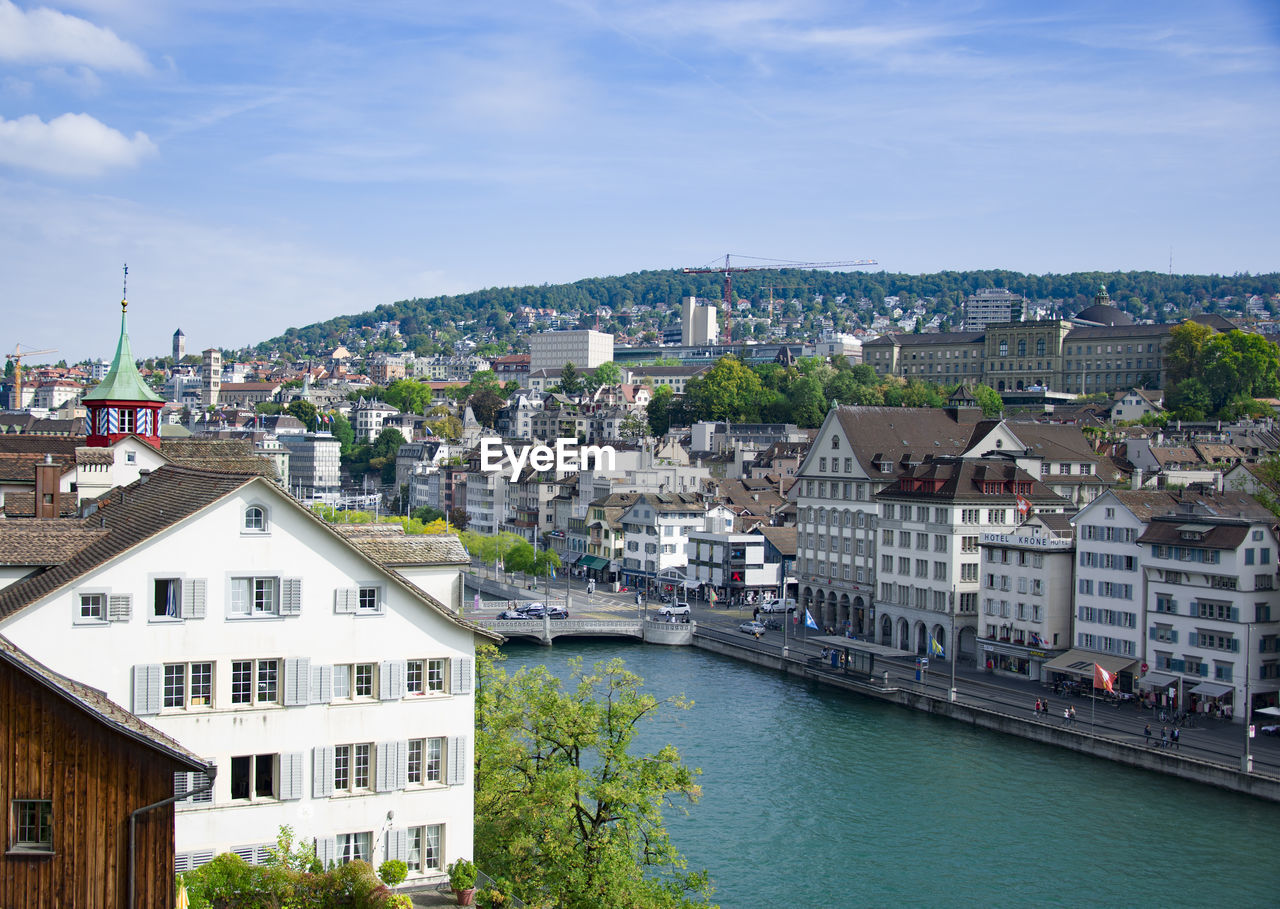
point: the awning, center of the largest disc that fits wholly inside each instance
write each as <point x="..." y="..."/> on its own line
<point x="1268" y="711"/>
<point x="1211" y="690"/>
<point x="1154" y="680"/>
<point x="592" y="561"/>
<point x="1080" y="662"/>
<point x="571" y="559"/>
<point x="843" y="643"/>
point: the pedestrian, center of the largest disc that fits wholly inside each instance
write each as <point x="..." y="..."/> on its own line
<point x="1073" y="716"/>
<point x="1164" y="736"/>
<point x="1066" y="716"/>
<point x="1037" y="708"/>
<point x="1175" y="736"/>
<point x="1146" y="733"/>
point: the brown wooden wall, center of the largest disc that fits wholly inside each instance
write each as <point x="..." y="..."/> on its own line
<point x="96" y="776"/>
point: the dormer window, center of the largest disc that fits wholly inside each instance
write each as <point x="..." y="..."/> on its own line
<point x="835" y="441"/>
<point x="255" y="519"/>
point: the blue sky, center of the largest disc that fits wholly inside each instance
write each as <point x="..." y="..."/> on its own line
<point x="271" y="164"/>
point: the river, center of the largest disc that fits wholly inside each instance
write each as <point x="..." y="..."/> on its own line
<point x="813" y="797"/>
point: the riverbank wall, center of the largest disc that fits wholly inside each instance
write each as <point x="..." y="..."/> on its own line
<point x="1073" y="739"/>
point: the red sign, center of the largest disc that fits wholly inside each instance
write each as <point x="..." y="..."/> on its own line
<point x="1144" y="668"/>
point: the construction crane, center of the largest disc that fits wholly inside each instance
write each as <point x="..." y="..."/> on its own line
<point x="16" y="357"/>
<point x="729" y="270"/>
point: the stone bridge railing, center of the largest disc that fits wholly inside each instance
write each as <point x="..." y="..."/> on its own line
<point x="547" y="629"/>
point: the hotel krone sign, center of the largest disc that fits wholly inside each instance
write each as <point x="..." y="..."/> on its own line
<point x="1031" y="542"/>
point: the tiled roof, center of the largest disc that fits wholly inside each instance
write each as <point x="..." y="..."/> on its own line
<point x="23" y="505"/>
<point x="894" y="435"/>
<point x="1216" y="536"/>
<point x="87" y="455"/>
<point x="782" y="538"/>
<point x="219" y="455"/>
<point x="44" y="541"/>
<point x="99" y="706"/>
<point x="1054" y="441"/>
<point x="133" y="514"/>
<point x="390" y="546"/>
<point x="21" y="468"/>
<point x="1111" y="332"/>
<point x="963" y="479"/>
<point x="932" y="339"/>
<point x="54" y="445"/>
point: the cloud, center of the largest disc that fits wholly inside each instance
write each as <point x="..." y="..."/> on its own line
<point x="44" y="35"/>
<point x="74" y="145"/>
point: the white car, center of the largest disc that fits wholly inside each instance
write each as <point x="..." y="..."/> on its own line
<point x="675" y="609"/>
<point x="778" y="606"/>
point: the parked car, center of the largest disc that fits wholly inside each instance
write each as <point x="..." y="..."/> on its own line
<point x="675" y="609"/>
<point x="557" y="612"/>
<point x="778" y="606"/>
<point x="755" y="628"/>
<point x="512" y="614"/>
<point x="534" y="610"/>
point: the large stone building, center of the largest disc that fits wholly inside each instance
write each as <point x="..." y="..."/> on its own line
<point x="1099" y="350"/>
<point x="585" y="349"/>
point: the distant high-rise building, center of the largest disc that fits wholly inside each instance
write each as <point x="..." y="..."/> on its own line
<point x="211" y="377"/>
<point x="584" y="349"/>
<point x="179" y="346"/>
<point x="991" y="305"/>
<point x="697" y="322"/>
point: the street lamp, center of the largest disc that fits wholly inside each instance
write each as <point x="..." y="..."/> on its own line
<point x="955" y="635"/>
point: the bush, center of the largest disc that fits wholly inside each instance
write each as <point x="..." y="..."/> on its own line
<point x="462" y="874"/>
<point x="393" y="871"/>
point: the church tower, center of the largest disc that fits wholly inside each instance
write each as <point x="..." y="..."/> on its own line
<point x="179" y="346"/>
<point x="122" y="404"/>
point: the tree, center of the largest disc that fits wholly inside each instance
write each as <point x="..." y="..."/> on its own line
<point x="807" y="404"/>
<point x="340" y="426"/>
<point x="570" y="382"/>
<point x="990" y="400"/>
<point x="485" y="404"/>
<point x="459" y="518"/>
<point x="658" y="410"/>
<point x="382" y="457"/>
<point x="408" y="395"/>
<point x="609" y="373"/>
<point x="304" y="411"/>
<point x="728" y="391"/>
<point x="562" y="806"/>
<point x="1183" y="352"/>
<point x="633" y="426"/>
<point x="447" y="427"/>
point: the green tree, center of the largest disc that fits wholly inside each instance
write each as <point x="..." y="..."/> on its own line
<point x="408" y="395"/>
<point x="989" y="399"/>
<point x="485" y="404"/>
<point x="1189" y="400"/>
<point x="304" y="411"/>
<point x="727" y="391"/>
<point x="807" y="404"/>
<point x="267" y="408"/>
<point x="658" y="410"/>
<point x="340" y="426"/>
<point x="572" y="817"/>
<point x="570" y="382"/>
<point x="609" y="373"/>
<point x="1183" y="352"/>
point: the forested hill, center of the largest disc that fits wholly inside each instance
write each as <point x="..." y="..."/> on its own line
<point x="1145" y="295"/>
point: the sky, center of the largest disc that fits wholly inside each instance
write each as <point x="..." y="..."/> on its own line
<point x="271" y="164"/>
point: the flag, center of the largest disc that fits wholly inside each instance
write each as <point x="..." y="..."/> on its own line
<point x="476" y="603"/>
<point x="809" y="622"/>
<point x="1103" y="679"/>
<point x="935" y="648"/>
<point x="711" y="596"/>
<point x="1024" y="506"/>
<point x="553" y="572"/>
<point x="1036" y="640"/>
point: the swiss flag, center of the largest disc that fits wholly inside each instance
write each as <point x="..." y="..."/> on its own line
<point x="1024" y="506"/>
<point x="1103" y="679"/>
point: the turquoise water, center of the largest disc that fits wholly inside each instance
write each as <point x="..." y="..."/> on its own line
<point x="816" y="798"/>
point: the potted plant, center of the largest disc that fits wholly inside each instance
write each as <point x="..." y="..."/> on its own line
<point x="462" y="878"/>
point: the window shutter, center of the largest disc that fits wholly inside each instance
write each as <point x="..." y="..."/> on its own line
<point x="397" y="844"/>
<point x="1193" y="639"/>
<point x="193" y="598"/>
<point x="1204" y="670"/>
<point x="147" y="679"/>
<point x="120" y="607"/>
<point x="297" y="681"/>
<point x="391" y="679"/>
<point x="291" y="596"/>
<point x="181" y="784"/>
<point x="346" y="600"/>
<point x="461" y="675"/>
<point x="321" y="684"/>
<point x="321" y="772"/>
<point x="1235" y="614"/>
<point x="402" y="765"/>
<point x="1173" y="636"/>
<point x="326" y="850"/>
<point x="291" y="776"/>
<point x="1235" y="645"/>
<point x="457" y="770"/>
<point x="341" y="682"/>
<point x="1151" y="632"/>
<point x="384" y="766"/>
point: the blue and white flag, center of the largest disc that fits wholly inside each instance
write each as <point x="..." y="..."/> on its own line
<point x="935" y="648"/>
<point x="809" y="622"/>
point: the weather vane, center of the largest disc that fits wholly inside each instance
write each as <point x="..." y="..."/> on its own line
<point x="124" y="294"/>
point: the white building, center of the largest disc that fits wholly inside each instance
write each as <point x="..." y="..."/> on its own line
<point x="990" y="305"/>
<point x="697" y="322"/>
<point x="315" y="466"/>
<point x="656" y="533"/>
<point x="734" y="564"/>
<point x="585" y="349"/>
<point x="1026" y="600"/>
<point x="333" y="694"/>
<point x="368" y="417"/>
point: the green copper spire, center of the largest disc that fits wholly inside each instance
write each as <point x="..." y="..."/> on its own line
<point x="123" y="382"/>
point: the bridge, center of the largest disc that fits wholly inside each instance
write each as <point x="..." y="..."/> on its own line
<point x="547" y="629"/>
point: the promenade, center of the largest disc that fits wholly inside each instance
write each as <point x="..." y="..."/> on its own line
<point x="1210" y="740"/>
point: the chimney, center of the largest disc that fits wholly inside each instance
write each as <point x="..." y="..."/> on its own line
<point x="1137" y="478"/>
<point x="48" y="476"/>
